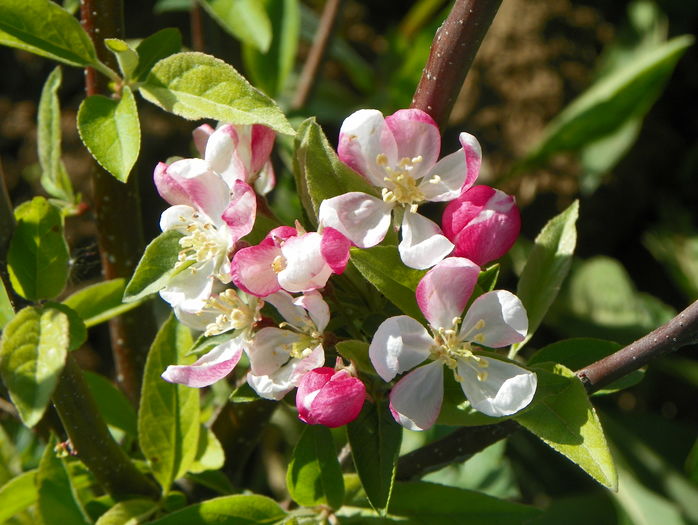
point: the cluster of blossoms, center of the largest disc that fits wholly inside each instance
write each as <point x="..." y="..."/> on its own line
<point x="221" y="283"/>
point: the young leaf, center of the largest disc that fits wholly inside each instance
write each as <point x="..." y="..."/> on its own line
<point x="383" y="268"/>
<point x="58" y="504"/>
<point x="116" y="409"/>
<point x="375" y="440"/>
<point x="7" y="312"/>
<point x="546" y="268"/>
<point x="567" y="422"/>
<point x="54" y="177"/>
<point x="32" y="355"/>
<point x="44" y="28"/>
<point x="246" y="20"/>
<point x="100" y="302"/>
<point x="314" y="476"/>
<point x="168" y="417"/>
<point x="241" y="509"/>
<point x="18" y="494"/>
<point x="38" y="255"/>
<point x="196" y="86"/>
<point x="111" y="131"/>
<point x="155" y="267"/>
<point x="126" y="56"/>
<point x="157" y="46"/>
<point x="130" y="512"/>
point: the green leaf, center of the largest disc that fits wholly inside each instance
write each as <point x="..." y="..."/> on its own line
<point x="168" y="417"/>
<point x="314" y="476"/>
<point x="356" y="352"/>
<point x="155" y="267"/>
<point x="246" y="20"/>
<point x="644" y="506"/>
<point x="34" y="347"/>
<point x="111" y="131"/>
<point x="116" y="409"/>
<point x="157" y="46"/>
<point x="126" y="56"/>
<point x="238" y="509"/>
<point x="7" y="311"/>
<point x="131" y="512"/>
<point x="375" y="440"/>
<point x="38" y="255"/>
<point x="100" y="302"/>
<point x="567" y="422"/>
<point x="270" y="70"/>
<point x="44" y="28"/>
<point x="18" y="494"/>
<point x="383" y="268"/>
<point x="209" y="452"/>
<point x="318" y="171"/>
<point x="487" y="279"/>
<point x="77" y="332"/>
<point x="196" y="86"/>
<point x="547" y="266"/>
<point x="54" y="177"/>
<point x="58" y="503"/>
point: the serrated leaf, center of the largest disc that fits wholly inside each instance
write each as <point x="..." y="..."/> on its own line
<point x="168" y="416"/>
<point x="547" y="266"/>
<point x="566" y="421"/>
<point x="54" y="177"/>
<point x="155" y="267"/>
<point x="126" y="56"/>
<point x="32" y="355"/>
<point x="58" y="503"/>
<point x="18" y="494"/>
<point x="77" y="332"/>
<point x="383" y="268"/>
<point x="44" y="28"/>
<point x="113" y="405"/>
<point x="196" y="86"/>
<point x="246" y="20"/>
<point x="111" y="131"/>
<point x="157" y="46"/>
<point x="318" y="171"/>
<point x="314" y="476"/>
<point x="131" y="512"/>
<point x="375" y="440"/>
<point x="38" y="255"/>
<point x="242" y="509"/>
<point x="100" y="302"/>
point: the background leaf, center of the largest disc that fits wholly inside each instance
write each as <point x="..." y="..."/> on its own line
<point x="227" y="509"/>
<point x="157" y="46"/>
<point x="113" y="405"/>
<point x="155" y="267"/>
<point x="17" y="494"/>
<point x="246" y="20"/>
<point x="131" y="512"/>
<point x="7" y="312"/>
<point x="100" y="302"/>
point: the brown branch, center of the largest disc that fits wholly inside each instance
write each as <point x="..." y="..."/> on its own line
<point x="452" y="52"/>
<point x="197" y="31"/>
<point x="681" y="331"/>
<point x="118" y="215"/>
<point x="312" y="64"/>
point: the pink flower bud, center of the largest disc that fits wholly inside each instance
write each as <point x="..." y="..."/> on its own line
<point x="483" y="223"/>
<point x="328" y="397"/>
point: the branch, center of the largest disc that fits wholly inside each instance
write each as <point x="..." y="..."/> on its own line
<point x="452" y="53"/>
<point x="681" y="331"/>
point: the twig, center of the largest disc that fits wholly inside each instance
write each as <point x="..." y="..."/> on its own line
<point x="452" y="52"/>
<point x="118" y="216"/>
<point x="317" y="52"/>
<point x="196" y="24"/>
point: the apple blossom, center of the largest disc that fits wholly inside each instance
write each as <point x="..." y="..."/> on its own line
<point x="399" y="154"/>
<point x="329" y="397"/>
<point x="483" y="223"/>
<point x="495" y="319"/>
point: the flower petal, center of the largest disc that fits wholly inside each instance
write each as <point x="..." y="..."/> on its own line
<point x="495" y="319"/>
<point x="209" y="368"/>
<point x="190" y="288"/>
<point x="400" y="343"/>
<point x="416" y="135"/>
<point x="317" y="308"/>
<point x="222" y="154"/>
<point x="445" y="289"/>
<point x="506" y="389"/>
<point x="362" y="218"/>
<point x="423" y="244"/>
<point x="335" y="249"/>
<point x="445" y="180"/>
<point x="305" y="268"/>
<point x="252" y="270"/>
<point x="363" y="136"/>
<point x="415" y="400"/>
<point x="329" y="398"/>
<point x="270" y="349"/>
<point x="266" y="179"/>
<point x="201" y="136"/>
<point x="242" y="210"/>
<point x="473" y="156"/>
<point x="261" y="144"/>
<point x="278" y="384"/>
<point x="293" y="313"/>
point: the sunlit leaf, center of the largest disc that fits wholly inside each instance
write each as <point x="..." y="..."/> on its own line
<point x="246" y="20"/>
<point x="242" y="509"/>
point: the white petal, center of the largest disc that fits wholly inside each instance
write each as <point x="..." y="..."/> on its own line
<point x="270" y="349"/>
<point x="278" y="384"/>
<point x="294" y="314"/>
<point x="190" y="288"/>
<point x="415" y="400"/>
<point x="495" y="319"/>
<point x="362" y="218"/>
<point x="506" y="389"/>
<point x="445" y="180"/>
<point x="416" y="135"/>
<point x="209" y="368"/>
<point x="400" y="343"/>
<point x="423" y="244"/>
<point x="306" y="269"/>
<point x="317" y="308"/>
<point x="177" y="218"/>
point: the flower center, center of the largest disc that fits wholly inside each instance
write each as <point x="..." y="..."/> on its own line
<point x="234" y="312"/>
<point x="401" y="187"/>
<point x="202" y="241"/>
<point x="278" y="264"/>
<point x="452" y="350"/>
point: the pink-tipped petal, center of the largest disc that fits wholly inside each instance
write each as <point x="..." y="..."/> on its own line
<point x="271" y="349"/>
<point x="445" y="180"/>
<point x="473" y="157"/>
<point x="209" y="368"/>
<point x="201" y="136"/>
<point x="362" y="218"/>
<point x="316" y="307"/>
<point x="415" y="400"/>
<point x="261" y="144"/>
<point x="445" y="289"/>
<point x="505" y="389"/>
<point x="364" y="136"/>
<point x="416" y="135"/>
<point x="329" y="398"/>
<point x="335" y="249"/>
<point x="305" y="269"/>
<point x="280" y="234"/>
<point x="242" y="210"/>
<point x="495" y="319"/>
<point x="252" y="270"/>
<point x="399" y="344"/>
<point x="278" y="384"/>
<point x="423" y="244"/>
